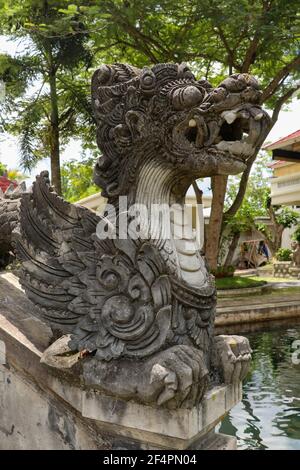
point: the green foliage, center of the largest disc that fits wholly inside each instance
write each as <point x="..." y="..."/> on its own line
<point x="77" y="180"/>
<point x="12" y="174"/>
<point x="15" y="175"/>
<point x="55" y="48"/>
<point x="286" y="216"/>
<point x="283" y="254"/>
<point x="3" y="169"/>
<point x="250" y="35"/>
<point x="68" y="39"/>
<point x="254" y="204"/>
<point x="238" y="282"/>
<point x="17" y="74"/>
<point x="257" y="204"/>
<point x="283" y="217"/>
<point x="223" y="271"/>
<point x="296" y="234"/>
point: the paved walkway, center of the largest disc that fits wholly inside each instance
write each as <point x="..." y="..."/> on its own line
<point x="284" y="284"/>
<point x="277" y="305"/>
<point x="264" y="299"/>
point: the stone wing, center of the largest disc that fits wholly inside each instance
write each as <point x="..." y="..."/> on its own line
<point x="56" y="242"/>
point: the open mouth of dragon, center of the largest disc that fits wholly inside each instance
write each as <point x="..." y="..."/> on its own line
<point x="236" y="132"/>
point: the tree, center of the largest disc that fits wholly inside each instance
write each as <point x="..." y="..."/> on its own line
<point x="55" y="49"/>
<point x="281" y="218"/>
<point x="216" y="38"/>
<point x="256" y="204"/>
<point x="252" y="207"/>
<point x="3" y="169"/>
<point x="250" y="36"/>
<point x="15" y="175"/>
<point x="77" y="178"/>
<point x="12" y="173"/>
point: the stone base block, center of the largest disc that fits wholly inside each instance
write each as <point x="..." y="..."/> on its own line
<point x="216" y="441"/>
<point x="168" y="429"/>
<point x="43" y="408"/>
<point x="67" y="417"/>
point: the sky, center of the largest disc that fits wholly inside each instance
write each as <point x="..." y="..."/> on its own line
<point x="288" y="122"/>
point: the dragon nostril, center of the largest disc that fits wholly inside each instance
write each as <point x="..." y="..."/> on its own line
<point x="191" y="134"/>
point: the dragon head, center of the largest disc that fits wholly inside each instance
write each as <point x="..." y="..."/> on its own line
<point x="164" y="115"/>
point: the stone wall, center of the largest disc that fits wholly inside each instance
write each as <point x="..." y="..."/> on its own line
<point x="281" y="268"/>
<point x="285" y="269"/>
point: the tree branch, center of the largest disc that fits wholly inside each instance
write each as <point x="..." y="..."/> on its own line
<point x="139" y="36"/>
<point x="198" y="193"/>
<point x="244" y="179"/>
<point x="282" y="74"/>
<point x="241" y="192"/>
<point x="250" y="54"/>
<point x="280" y="102"/>
<point x="230" y="52"/>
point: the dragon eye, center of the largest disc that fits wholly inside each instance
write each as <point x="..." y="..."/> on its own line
<point x="186" y="97"/>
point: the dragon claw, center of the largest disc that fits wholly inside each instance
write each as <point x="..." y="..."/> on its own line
<point x="233" y="356"/>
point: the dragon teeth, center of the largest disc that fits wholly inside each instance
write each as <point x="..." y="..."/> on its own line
<point x="192" y="123"/>
<point x="229" y="116"/>
<point x="258" y="116"/>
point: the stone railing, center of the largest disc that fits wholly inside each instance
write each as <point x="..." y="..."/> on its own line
<point x="286" y="269"/>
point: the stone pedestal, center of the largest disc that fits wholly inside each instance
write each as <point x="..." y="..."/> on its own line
<point x="67" y="417"/>
<point x="162" y="428"/>
<point x="43" y="408"/>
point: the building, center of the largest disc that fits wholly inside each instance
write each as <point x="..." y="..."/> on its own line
<point x="97" y="203"/>
<point x="5" y="183"/>
<point x="285" y="183"/>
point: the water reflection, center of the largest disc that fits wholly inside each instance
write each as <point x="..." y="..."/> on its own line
<point x="269" y="415"/>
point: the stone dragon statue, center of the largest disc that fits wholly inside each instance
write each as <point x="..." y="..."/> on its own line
<point x="138" y="312"/>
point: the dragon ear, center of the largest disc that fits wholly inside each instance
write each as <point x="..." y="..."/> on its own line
<point x="110" y="75"/>
<point x="136" y="123"/>
<point x="109" y="84"/>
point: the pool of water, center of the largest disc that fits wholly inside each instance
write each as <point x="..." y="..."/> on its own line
<point x="269" y="415"/>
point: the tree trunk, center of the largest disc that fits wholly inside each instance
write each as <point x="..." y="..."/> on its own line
<point x="278" y="237"/>
<point x="219" y="184"/>
<point x="54" y="134"/>
<point x="274" y="243"/>
<point x="232" y="248"/>
<point x="277" y="229"/>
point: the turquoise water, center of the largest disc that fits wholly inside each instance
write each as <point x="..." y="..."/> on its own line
<point x="269" y="415"/>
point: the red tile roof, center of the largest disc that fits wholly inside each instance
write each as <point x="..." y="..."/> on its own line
<point x="276" y="164"/>
<point x="5" y="183"/>
<point x="291" y="137"/>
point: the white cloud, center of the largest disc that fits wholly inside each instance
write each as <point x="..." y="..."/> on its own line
<point x="288" y="121"/>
